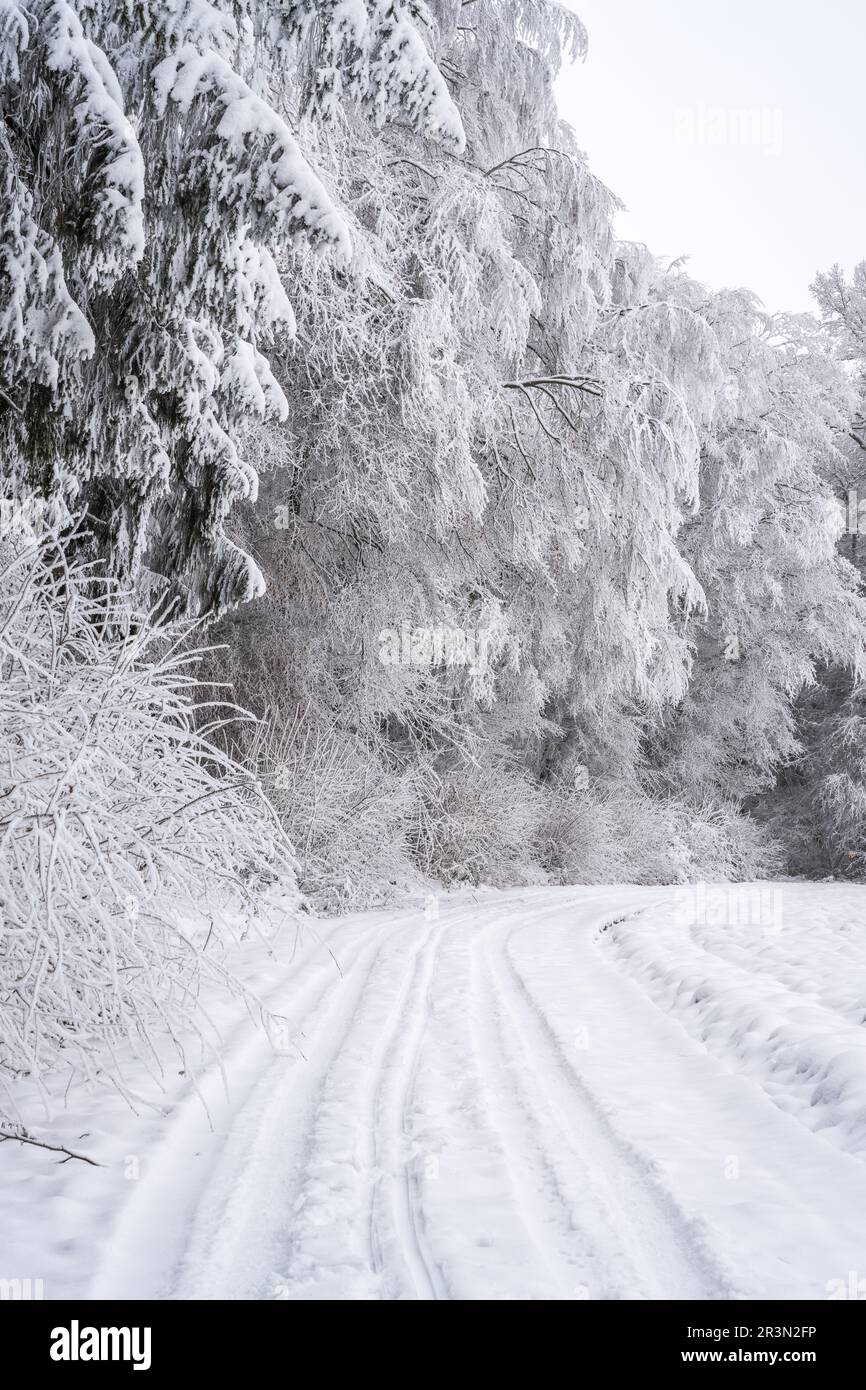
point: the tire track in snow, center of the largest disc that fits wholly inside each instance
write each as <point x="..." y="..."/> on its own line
<point x="312" y="1190"/>
<point x="548" y="1202"/>
<point x="466" y="1189"/>
<point x="649" y="1230"/>
<point x="156" y="1229"/>
<point x="752" y="1021"/>
<point x="392" y="1128"/>
<point x="283" y="1191"/>
<point x="346" y="1218"/>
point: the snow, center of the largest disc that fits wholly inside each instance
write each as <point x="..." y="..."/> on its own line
<point x="248" y="376"/>
<point x="405" y="78"/>
<point x="14" y="38"/>
<point x="99" y="115"/>
<point x="542" y="1093"/>
<point x="797" y="1028"/>
<point x="283" y="182"/>
<point x="40" y="323"/>
<point x="198" y="22"/>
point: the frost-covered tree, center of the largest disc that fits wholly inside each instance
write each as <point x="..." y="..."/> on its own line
<point x="780" y="598"/>
<point x="372" y="54"/>
<point x="819" y="804"/>
<point x="151" y="169"/>
<point x="498" y="433"/>
<point x="514" y="429"/>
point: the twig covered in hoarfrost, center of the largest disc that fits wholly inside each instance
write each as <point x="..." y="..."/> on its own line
<point x="22" y="1137"/>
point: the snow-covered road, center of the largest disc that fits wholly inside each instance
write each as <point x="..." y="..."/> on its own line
<point x="540" y="1094"/>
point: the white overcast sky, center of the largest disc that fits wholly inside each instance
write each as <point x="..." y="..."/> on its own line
<point x="664" y="78"/>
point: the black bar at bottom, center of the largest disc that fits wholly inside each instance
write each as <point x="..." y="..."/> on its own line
<point x="62" y="1339"/>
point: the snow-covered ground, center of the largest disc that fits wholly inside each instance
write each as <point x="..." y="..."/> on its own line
<point x="546" y="1093"/>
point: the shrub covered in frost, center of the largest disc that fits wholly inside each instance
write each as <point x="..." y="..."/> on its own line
<point x="129" y="843"/>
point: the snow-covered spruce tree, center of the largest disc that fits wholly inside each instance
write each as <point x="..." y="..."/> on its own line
<point x="149" y="172"/>
<point x="132" y="849"/>
<point x="369" y="54"/>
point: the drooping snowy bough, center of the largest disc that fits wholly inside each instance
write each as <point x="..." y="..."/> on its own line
<point x="149" y="173"/>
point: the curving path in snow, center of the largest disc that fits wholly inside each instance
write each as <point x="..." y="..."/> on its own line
<point x="516" y="1099"/>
